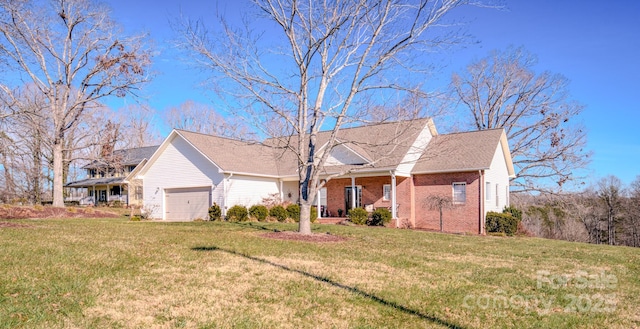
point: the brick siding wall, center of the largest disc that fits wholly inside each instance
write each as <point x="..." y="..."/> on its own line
<point x="462" y="218"/>
<point x="372" y="193"/>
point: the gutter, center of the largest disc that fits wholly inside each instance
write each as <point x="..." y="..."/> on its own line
<point x="481" y="205"/>
<point x="449" y="171"/>
<point x="249" y="174"/>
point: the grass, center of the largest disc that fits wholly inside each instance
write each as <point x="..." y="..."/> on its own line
<point x="97" y="273"/>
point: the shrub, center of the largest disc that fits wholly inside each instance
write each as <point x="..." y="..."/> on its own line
<point x="515" y="212"/>
<point x="237" y="213"/>
<point x="278" y="212"/>
<point x="259" y="212"/>
<point x="501" y="223"/>
<point x="314" y="214"/>
<point x="358" y="216"/>
<point x="215" y="213"/>
<point x="380" y="217"/>
<point x="293" y="211"/>
<point x="136" y="218"/>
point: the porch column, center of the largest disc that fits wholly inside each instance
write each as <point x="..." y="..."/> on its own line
<point x="353" y="192"/>
<point x="318" y="197"/>
<point x="394" y="212"/>
<point x="281" y="190"/>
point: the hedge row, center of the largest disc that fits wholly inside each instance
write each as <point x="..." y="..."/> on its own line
<point x="501" y="223"/>
<point x="240" y="213"/>
<point x="379" y="217"/>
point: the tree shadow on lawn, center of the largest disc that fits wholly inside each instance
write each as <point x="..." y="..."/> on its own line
<point x="338" y="285"/>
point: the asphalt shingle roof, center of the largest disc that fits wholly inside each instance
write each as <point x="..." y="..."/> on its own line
<point x="132" y="156"/>
<point x="234" y="155"/>
<point x="383" y="145"/>
<point x="459" y="152"/>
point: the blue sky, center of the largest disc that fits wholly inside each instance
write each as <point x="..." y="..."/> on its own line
<point x="595" y="44"/>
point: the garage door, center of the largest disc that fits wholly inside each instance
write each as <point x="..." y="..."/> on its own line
<point x="187" y="203"/>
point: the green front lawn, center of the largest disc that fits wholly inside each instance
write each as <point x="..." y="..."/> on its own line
<point x="83" y="273"/>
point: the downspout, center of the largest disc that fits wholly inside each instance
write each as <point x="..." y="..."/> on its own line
<point x="482" y="194"/>
<point x="226" y="190"/>
<point x="394" y="210"/>
<point x="353" y="192"/>
<point x="318" y="205"/>
<point x="281" y="190"/>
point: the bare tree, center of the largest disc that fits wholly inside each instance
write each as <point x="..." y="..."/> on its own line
<point x="440" y="203"/>
<point x="74" y="55"/>
<point x="547" y="143"/>
<point x="26" y="134"/>
<point x="633" y="213"/>
<point x="318" y="66"/>
<point x="610" y="192"/>
<point x="137" y="127"/>
<point x="204" y="119"/>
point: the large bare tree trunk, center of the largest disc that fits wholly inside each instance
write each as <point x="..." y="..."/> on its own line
<point x="304" y="227"/>
<point x="58" y="198"/>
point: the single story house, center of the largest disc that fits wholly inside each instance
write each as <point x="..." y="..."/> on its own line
<point x="396" y="165"/>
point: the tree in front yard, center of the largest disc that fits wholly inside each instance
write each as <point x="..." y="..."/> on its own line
<point x="321" y="66"/>
<point x="74" y="56"/>
<point x="439" y="202"/>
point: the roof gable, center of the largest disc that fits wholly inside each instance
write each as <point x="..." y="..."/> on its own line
<point x="231" y="155"/>
<point x="463" y="152"/>
<point x="385" y="146"/>
<point x="124" y="157"/>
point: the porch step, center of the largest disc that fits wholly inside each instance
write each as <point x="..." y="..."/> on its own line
<point x="330" y="220"/>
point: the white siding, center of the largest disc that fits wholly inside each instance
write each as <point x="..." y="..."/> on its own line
<point x="414" y="152"/>
<point x="497" y="174"/>
<point x="249" y="190"/>
<point x="178" y="166"/>
<point x="342" y="155"/>
<point x="290" y="187"/>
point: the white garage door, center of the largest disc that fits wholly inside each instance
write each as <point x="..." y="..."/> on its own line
<point x="187" y="203"/>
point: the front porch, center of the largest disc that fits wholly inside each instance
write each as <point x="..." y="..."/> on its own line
<point x="92" y="192"/>
<point x="367" y="192"/>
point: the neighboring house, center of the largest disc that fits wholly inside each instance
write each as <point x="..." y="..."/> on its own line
<point x="399" y="163"/>
<point x="108" y="180"/>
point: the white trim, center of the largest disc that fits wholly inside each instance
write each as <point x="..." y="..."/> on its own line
<point x="354" y="191"/>
<point x="444" y="171"/>
<point x="337" y="143"/>
<point x="394" y="211"/>
<point x="453" y="192"/>
<point x="384" y="194"/>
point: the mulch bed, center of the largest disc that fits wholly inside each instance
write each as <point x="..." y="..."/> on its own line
<point x="15" y="212"/>
<point x="314" y="237"/>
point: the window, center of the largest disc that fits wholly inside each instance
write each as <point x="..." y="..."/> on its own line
<point x="487" y="191"/>
<point x="386" y="192"/>
<point x="138" y="192"/>
<point x="459" y="192"/>
<point x="506" y="195"/>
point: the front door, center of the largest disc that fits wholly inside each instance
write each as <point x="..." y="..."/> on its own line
<point x="348" y="197"/>
<point x="102" y="195"/>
